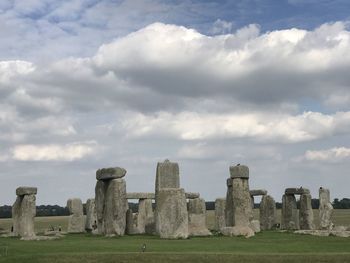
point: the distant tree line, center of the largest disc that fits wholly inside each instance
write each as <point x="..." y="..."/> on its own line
<point x="56" y="210"/>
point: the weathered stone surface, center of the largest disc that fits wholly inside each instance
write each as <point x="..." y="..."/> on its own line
<point x="140" y="195"/>
<point x="220" y="204"/>
<point x="16" y="214"/>
<point x="306" y="215"/>
<point x="197" y="218"/>
<point x="91" y="217"/>
<point x="145" y="217"/>
<point x="267" y="213"/>
<point x="239" y="171"/>
<point x="325" y="209"/>
<point x="172" y="216"/>
<point x="100" y="191"/>
<point x="76" y="219"/>
<point x="110" y="173"/>
<point x="167" y="175"/>
<point x="28" y="211"/>
<point x="296" y="191"/>
<point x="237" y="231"/>
<point x="255" y="226"/>
<point x="190" y="195"/>
<point x="290" y="213"/>
<point x="25" y="190"/>
<point x="258" y="192"/>
<point x="130" y="223"/>
<point x="229" y="203"/>
<point x="114" y="213"/>
<point x="242" y="207"/>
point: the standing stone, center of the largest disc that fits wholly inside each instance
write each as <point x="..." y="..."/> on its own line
<point x="267" y="213"/>
<point x="91" y="217"/>
<point x="229" y="203"/>
<point x="197" y="218"/>
<point x="306" y="215"/>
<point x="220" y="204"/>
<point x="23" y="212"/>
<point x="130" y="223"/>
<point x="100" y="190"/>
<point x="145" y="217"/>
<point x="114" y="213"/>
<point x="167" y="175"/>
<point x="290" y="214"/>
<point x="172" y="216"/>
<point x="325" y="209"/>
<point x="76" y="218"/>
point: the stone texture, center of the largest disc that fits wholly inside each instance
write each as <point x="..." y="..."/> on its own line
<point x="255" y="225"/>
<point x="242" y="207"/>
<point x="130" y="223"/>
<point x="325" y="209"/>
<point x="16" y="214"/>
<point x="220" y="204"/>
<point x="296" y="191"/>
<point x="258" y="192"/>
<point x="100" y="191"/>
<point x="172" y="216"/>
<point x="238" y="231"/>
<point x="110" y="173"/>
<point x="197" y="218"/>
<point x="229" y="203"/>
<point x="190" y="195"/>
<point x="306" y="215"/>
<point x="267" y="213"/>
<point x="76" y="218"/>
<point x="140" y="195"/>
<point x="145" y="217"/>
<point x="91" y="217"/>
<point x="114" y="213"/>
<point x="290" y="214"/>
<point x="24" y="190"/>
<point x="239" y="171"/>
<point x="167" y="175"/>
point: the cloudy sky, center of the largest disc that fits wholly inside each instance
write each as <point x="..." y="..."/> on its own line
<point x="86" y="84"/>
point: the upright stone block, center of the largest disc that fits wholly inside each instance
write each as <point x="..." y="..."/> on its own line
<point x="91" y="216"/>
<point x="229" y="203"/>
<point x="131" y="227"/>
<point x="76" y="218"/>
<point x="115" y="208"/>
<point x="145" y="217"/>
<point x="167" y="175"/>
<point x="242" y="207"/>
<point x="100" y="191"/>
<point x="172" y="216"/>
<point x="306" y="215"/>
<point x="290" y="214"/>
<point x="267" y="213"/>
<point x="220" y="222"/>
<point x="325" y="209"/>
<point x="197" y="218"/>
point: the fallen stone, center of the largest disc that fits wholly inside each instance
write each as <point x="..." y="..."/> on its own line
<point x="258" y="192"/>
<point x="267" y="213"/>
<point x="24" y="190"/>
<point x="172" y="216"/>
<point x="296" y="191"/>
<point x="110" y="173"/>
<point x="237" y="231"/>
<point x="239" y="171"/>
<point x="220" y="222"/>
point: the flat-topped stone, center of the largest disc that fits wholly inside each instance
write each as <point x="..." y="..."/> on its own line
<point x="239" y="171"/>
<point x="229" y="182"/>
<point x="190" y="195"/>
<point x="25" y="190"/>
<point x="297" y="191"/>
<point x="137" y="195"/>
<point x="110" y="173"/>
<point x="257" y="192"/>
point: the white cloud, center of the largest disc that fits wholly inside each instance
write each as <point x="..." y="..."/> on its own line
<point x="330" y="155"/>
<point x="260" y="127"/>
<point x="53" y="152"/>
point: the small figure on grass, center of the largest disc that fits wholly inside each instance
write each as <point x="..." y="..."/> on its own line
<point x="143" y="247"/>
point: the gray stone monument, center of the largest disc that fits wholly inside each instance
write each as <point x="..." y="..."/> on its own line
<point x="76" y="218"/>
<point x="306" y="215"/>
<point x="267" y="213"/>
<point x="197" y="218"/>
<point x="91" y="216"/>
<point x="220" y="222"/>
<point x="325" y="209"/>
<point x="290" y="213"/>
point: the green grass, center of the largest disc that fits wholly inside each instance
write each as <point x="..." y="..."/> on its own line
<point x="269" y="246"/>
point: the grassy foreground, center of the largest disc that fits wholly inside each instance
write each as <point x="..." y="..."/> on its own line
<point x="269" y="246"/>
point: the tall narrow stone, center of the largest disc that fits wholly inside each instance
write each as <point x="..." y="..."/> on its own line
<point x="306" y="215"/>
<point x="167" y="175"/>
<point x="290" y="214"/>
<point x="197" y="218"/>
<point x="325" y="209"/>
<point x="145" y="217"/>
<point x="91" y="217"/>
<point x="172" y="216"/>
<point x="220" y="222"/>
<point x="130" y="223"/>
<point x="229" y="203"/>
<point x="267" y="213"/>
<point x="76" y="218"/>
<point x="100" y="191"/>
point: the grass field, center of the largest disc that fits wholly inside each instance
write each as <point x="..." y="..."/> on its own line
<point x="269" y="246"/>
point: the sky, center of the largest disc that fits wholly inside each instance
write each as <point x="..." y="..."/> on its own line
<point x="87" y="84"/>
